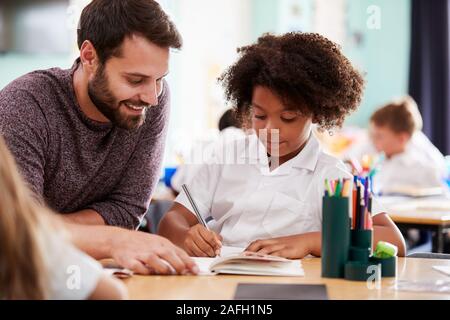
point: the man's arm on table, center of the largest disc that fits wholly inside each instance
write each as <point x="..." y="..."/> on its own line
<point x="140" y="252"/>
<point x="87" y="216"/>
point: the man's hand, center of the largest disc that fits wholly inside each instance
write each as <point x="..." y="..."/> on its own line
<point x="291" y="247"/>
<point x="201" y="242"/>
<point x="145" y="253"/>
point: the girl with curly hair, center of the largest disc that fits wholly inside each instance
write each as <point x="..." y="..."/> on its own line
<point x="268" y="198"/>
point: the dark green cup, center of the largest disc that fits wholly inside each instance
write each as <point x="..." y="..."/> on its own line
<point x="361" y="271"/>
<point x="335" y="236"/>
<point x="359" y="254"/>
<point x="388" y="265"/>
<point x="361" y="239"/>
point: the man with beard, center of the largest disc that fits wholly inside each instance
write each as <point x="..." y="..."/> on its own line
<point x="89" y="140"/>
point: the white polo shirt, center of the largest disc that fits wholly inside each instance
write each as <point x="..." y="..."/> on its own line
<point x="407" y="169"/>
<point x="247" y="201"/>
<point x="72" y="274"/>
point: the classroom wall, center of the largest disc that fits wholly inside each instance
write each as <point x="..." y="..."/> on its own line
<point x="383" y="54"/>
<point x="197" y="99"/>
<point x="35" y="35"/>
<point x="13" y="65"/>
<point x="210" y="39"/>
<point x="264" y="17"/>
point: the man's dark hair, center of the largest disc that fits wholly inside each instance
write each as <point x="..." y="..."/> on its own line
<point x="106" y="23"/>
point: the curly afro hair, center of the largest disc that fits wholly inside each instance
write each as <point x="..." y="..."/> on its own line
<point x="306" y="70"/>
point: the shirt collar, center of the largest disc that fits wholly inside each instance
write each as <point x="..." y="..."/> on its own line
<point x="306" y="159"/>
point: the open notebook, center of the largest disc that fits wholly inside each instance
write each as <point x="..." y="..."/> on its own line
<point x="234" y="261"/>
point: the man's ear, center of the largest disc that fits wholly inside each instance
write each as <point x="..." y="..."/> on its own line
<point x="89" y="57"/>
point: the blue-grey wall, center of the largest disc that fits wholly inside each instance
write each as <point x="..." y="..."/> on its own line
<point x="383" y="54"/>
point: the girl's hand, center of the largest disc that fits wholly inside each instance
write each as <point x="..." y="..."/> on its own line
<point x="291" y="247"/>
<point x="201" y="242"/>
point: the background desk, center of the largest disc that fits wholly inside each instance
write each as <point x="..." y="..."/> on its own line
<point x="224" y="286"/>
<point x="429" y="213"/>
<point x="437" y="222"/>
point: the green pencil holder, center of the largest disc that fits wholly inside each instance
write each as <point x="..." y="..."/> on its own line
<point x="361" y="239"/>
<point x="360" y="267"/>
<point x="335" y="236"/>
<point x="359" y="254"/>
<point x="361" y="271"/>
<point x="388" y="266"/>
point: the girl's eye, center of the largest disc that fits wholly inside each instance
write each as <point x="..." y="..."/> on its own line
<point x="260" y="117"/>
<point x="288" y="119"/>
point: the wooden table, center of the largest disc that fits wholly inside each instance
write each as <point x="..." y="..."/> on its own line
<point x="222" y="287"/>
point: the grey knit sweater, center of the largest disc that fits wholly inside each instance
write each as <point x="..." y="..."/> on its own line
<point x="72" y="162"/>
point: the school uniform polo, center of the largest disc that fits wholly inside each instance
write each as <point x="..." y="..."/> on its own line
<point x="70" y="273"/>
<point x="407" y="169"/>
<point x="247" y="201"/>
<point x="421" y="165"/>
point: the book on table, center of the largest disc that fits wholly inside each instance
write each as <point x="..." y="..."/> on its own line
<point x="235" y="261"/>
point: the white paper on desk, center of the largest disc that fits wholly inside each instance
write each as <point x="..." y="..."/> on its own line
<point x="439" y="286"/>
<point x="203" y="265"/>
<point x="413" y="191"/>
<point x="443" y="269"/>
<point x="405" y="204"/>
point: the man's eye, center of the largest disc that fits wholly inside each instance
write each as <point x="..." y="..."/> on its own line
<point x="135" y="81"/>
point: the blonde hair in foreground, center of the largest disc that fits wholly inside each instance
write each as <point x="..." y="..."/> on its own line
<point x="22" y="231"/>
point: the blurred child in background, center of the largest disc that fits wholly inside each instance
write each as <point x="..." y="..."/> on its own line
<point x="409" y="159"/>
